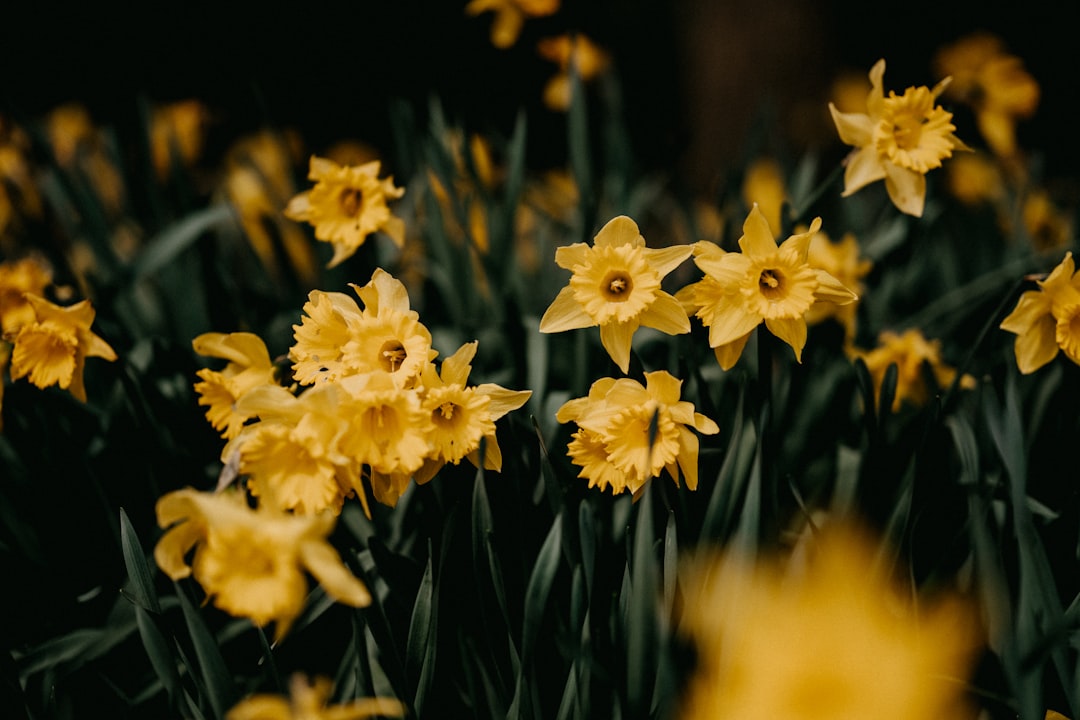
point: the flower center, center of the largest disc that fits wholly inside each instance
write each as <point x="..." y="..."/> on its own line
<point x="771" y="283"/>
<point x="391" y="355"/>
<point x="447" y="410"/>
<point x="350" y="201"/>
<point x="907" y="130"/>
<point x="616" y="286"/>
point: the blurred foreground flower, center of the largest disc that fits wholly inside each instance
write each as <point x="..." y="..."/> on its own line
<point x="898" y="139"/>
<point x="616" y="285"/>
<point x="764" y="283"/>
<point x="346" y="205"/>
<point x="822" y="637"/>
<point x="994" y="83"/>
<point x="510" y="16"/>
<point x="307" y="701"/>
<point x="909" y="351"/>
<point x="576" y="51"/>
<point x="1048" y="319"/>
<point x="627" y="434"/>
<point x="53" y="348"/>
<point x="251" y="563"/>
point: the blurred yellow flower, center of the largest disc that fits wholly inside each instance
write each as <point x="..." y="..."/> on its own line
<point x="763" y="185"/>
<point x="974" y="179"/>
<point x="1048" y="227"/>
<point x="909" y="350"/>
<point x="5" y="358"/>
<point x="578" y="51"/>
<point x="307" y="701"/>
<point x="346" y="205"/>
<point x="177" y="135"/>
<point x="17" y="278"/>
<point x="764" y="283"/>
<point x="843" y="262"/>
<point x="251" y="563"/>
<point x="462" y="416"/>
<point x="627" y="434"/>
<point x="52" y="349"/>
<point x="1048" y="319"/>
<point x="258" y="180"/>
<point x="616" y="285"/>
<point x="824" y="636"/>
<point x="336" y="339"/>
<point x="78" y="145"/>
<point x="994" y="83"/>
<point x="899" y="139"/>
<point x="510" y="16"/>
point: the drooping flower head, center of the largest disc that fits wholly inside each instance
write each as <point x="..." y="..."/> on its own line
<point x="336" y="339"/>
<point x="249" y="367"/>
<point x="308" y="701"/>
<point x="346" y="205"/>
<point x="764" y="283"/>
<point x="628" y="434"/>
<point x="510" y="16"/>
<point x="1048" y="319"/>
<point x="251" y="563"/>
<point x="899" y="139"/>
<point x="53" y="348"/>
<point x="909" y="350"/>
<point x="616" y="285"/>
<point x="826" y="635"/>
<point x="462" y="416"/>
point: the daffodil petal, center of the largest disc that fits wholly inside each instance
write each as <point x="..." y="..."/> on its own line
<point x="173" y="546"/>
<point x="790" y="330"/>
<point x="619" y="230"/>
<point x="666" y="315"/>
<point x="731" y="324"/>
<point x="855" y="129"/>
<point x="565" y="313"/>
<point x="1037" y="346"/>
<point x="757" y="239"/>
<point x="863" y="167"/>
<point x="906" y="188"/>
<point x="325" y="565"/>
<point x="616" y="338"/>
<point x="729" y="353"/>
<point x="501" y="400"/>
<point x="830" y="289"/>
<point x="664" y="260"/>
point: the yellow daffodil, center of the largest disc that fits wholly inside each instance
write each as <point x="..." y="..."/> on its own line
<point x="510" y="16"/>
<point x="346" y="205"/>
<point x="17" y="278"/>
<point x="307" y="701"/>
<point x="994" y="83"/>
<point x="764" y="283"/>
<point x="1047" y="226"/>
<point x="909" y="350"/>
<point x="974" y="179"/>
<point x="899" y="139"/>
<point x="627" y="433"/>
<point x="292" y="455"/>
<point x="337" y="339"/>
<point x="578" y="51"/>
<point x="1048" y="319"/>
<point x="843" y="262"/>
<point x="258" y="180"/>
<point x="249" y="367"/>
<point x="616" y="285"/>
<point x="177" y="135"/>
<point x="53" y="348"/>
<point x="251" y="563"/>
<point x="824" y="636"/>
<point x="462" y="416"/>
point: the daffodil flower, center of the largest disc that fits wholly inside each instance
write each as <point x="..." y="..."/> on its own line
<point x="308" y="701"/>
<point x="898" y="139"/>
<point x="249" y="367"/>
<point x="1048" y="319"/>
<point x="764" y="283"/>
<point x="616" y="285"/>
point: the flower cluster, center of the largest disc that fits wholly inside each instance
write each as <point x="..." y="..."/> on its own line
<point x="373" y="404"/>
<point x="1048" y="319"/>
<point x="910" y="351"/>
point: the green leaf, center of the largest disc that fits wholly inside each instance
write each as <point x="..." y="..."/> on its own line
<point x="539" y="588"/>
<point x="215" y="676"/>
<point x="161" y="659"/>
<point x="142" y="583"/>
<point x="587" y="540"/>
<point x="641" y="610"/>
<point x="178" y="237"/>
<point x="420" y="648"/>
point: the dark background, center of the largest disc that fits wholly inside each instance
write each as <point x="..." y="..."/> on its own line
<point x="693" y="72"/>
